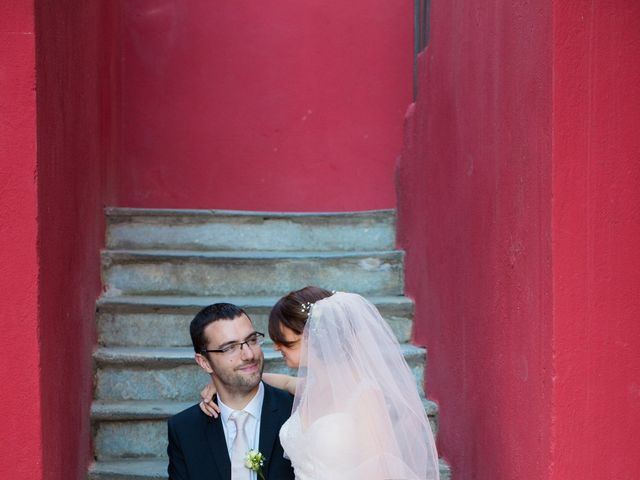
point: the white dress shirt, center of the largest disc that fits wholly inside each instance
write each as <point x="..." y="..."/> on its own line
<point x="252" y="427"/>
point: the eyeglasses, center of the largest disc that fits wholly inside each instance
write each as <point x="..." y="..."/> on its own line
<point x="234" y="349"/>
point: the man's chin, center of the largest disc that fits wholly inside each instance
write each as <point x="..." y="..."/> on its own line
<point x="249" y="383"/>
<point x="250" y="377"/>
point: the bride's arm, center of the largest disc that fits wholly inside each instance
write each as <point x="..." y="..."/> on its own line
<point x="281" y="381"/>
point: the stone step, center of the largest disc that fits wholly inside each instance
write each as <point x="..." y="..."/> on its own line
<point x="234" y="230"/>
<point x="165" y="272"/>
<point x="156" y="469"/>
<point x="138" y="429"/>
<point x="140" y="321"/>
<point x="172" y="374"/>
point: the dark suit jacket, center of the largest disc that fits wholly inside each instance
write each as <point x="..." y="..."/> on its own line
<point x="198" y="450"/>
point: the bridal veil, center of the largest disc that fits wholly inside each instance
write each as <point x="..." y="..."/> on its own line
<point x="357" y="400"/>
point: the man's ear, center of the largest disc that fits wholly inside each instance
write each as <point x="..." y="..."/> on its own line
<point x="204" y="363"/>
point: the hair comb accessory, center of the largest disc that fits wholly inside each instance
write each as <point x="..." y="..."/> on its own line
<point x="306" y="307"/>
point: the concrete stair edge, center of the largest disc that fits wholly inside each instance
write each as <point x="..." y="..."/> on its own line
<point x="131" y="410"/>
<point x="128" y="254"/>
<point x="115" y="212"/>
<point x="154" y="302"/>
<point x="146" y="469"/>
<point x="171" y="356"/>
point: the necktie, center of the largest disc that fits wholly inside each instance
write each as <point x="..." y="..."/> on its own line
<point x="240" y="447"/>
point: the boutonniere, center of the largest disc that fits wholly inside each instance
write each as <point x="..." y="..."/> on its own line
<point x="254" y="461"/>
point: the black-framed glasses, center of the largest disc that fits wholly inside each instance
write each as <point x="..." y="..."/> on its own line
<point x="253" y="340"/>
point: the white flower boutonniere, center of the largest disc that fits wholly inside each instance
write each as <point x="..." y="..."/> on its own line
<point x="254" y="461"/>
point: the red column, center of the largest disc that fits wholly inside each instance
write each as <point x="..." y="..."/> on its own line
<point x="76" y="123"/>
<point x="474" y="217"/>
<point x="519" y="208"/>
<point x="54" y="148"/>
<point x="20" y="417"/>
<point x="596" y="239"/>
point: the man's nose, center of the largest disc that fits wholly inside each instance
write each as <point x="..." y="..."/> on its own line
<point x="246" y="352"/>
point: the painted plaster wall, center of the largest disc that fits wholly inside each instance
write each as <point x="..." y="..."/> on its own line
<point x="520" y="212"/>
<point x="596" y="239"/>
<point x="20" y="364"/>
<point x="474" y="201"/>
<point x="74" y="144"/>
<point x="297" y="106"/>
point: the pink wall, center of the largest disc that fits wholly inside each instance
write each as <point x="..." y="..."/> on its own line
<point x="20" y="434"/>
<point x="596" y="240"/>
<point x="519" y="209"/>
<point x="231" y="104"/>
<point x="74" y="144"/>
<point x="474" y="203"/>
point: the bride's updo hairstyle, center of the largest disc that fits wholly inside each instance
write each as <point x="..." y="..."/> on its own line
<point x="292" y="311"/>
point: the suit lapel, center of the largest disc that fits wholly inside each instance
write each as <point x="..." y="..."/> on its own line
<point x="269" y="426"/>
<point x="218" y="446"/>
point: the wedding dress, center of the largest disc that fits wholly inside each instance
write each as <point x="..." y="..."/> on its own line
<point x="357" y="413"/>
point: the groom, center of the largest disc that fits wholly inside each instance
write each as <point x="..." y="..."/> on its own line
<point x="251" y="413"/>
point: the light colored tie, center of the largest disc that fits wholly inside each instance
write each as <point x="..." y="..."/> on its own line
<point x="240" y="447"/>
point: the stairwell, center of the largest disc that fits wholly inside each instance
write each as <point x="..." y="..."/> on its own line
<point x="161" y="266"/>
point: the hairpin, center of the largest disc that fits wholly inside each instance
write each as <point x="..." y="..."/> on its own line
<point x="306" y="307"/>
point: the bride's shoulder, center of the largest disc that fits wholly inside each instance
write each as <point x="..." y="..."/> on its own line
<point x="365" y="400"/>
<point x="365" y="396"/>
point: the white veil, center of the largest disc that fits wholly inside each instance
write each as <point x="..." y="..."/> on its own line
<point x="356" y="385"/>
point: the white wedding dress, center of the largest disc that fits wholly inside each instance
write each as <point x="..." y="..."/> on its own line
<point x="327" y="445"/>
<point x="357" y="413"/>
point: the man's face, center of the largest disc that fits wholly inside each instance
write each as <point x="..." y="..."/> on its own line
<point x="238" y="372"/>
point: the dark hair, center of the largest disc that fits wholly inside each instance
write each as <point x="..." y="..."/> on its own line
<point x="210" y="314"/>
<point x="288" y="311"/>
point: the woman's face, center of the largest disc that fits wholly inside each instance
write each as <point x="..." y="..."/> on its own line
<point x="291" y="353"/>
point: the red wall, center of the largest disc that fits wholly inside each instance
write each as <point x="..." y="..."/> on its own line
<point x="297" y="106"/>
<point x="74" y="147"/>
<point x="519" y="209"/>
<point x="20" y="434"/>
<point x="474" y="217"/>
<point x="596" y="240"/>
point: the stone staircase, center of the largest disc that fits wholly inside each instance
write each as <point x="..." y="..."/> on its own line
<point x="161" y="266"/>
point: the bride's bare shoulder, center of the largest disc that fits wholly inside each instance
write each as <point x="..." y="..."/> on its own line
<point x="367" y="397"/>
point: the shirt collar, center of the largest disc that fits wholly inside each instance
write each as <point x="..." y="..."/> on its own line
<point x="253" y="408"/>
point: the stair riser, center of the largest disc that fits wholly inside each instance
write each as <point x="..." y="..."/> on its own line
<point x="180" y="383"/>
<point x="340" y="233"/>
<point x="369" y="275"/>
<point x="147" y="438"/>
<point x="136" y="439"/>
<point x="171" y="329"/>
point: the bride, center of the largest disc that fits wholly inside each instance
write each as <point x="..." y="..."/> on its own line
<point x="357" y="412"/>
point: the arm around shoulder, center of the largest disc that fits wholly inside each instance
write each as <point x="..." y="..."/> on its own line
<point x="281" y="381"/>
